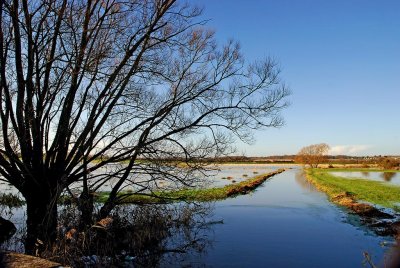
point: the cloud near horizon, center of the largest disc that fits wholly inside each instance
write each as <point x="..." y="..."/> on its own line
<point x="348" y="149"/>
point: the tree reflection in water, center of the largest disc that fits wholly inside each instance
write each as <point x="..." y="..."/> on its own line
<point x="301" y="180"/>
<point x="388" y="176"/>
<point x="365" y="173"/>
<point x="146" y="235"/>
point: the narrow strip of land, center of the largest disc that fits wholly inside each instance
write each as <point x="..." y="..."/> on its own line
<point x="17" y="260"/>
<point x="361" y="197"/>
<point x="375" y="192"/>
<point x="194" y="194"/>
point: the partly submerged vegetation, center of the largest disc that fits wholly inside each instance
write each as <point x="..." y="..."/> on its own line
<point x="362" y="197"/>
<point x="374" y="192"/>
<point x="194" y="194"/>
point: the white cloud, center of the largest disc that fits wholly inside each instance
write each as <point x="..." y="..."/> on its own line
<point x="348" y="149"/>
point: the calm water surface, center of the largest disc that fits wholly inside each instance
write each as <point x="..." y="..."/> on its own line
<point x="238" y="172"/>
<point x="287" y="223"/>
<point x="284" y="223"/>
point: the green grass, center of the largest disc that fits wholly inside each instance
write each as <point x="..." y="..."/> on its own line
<point x="358" y="170"/>
<point x="374" y="192"/>
<point x="193" y="194"/>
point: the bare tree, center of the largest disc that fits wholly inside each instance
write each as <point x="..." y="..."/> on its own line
<point x="91" y="88"/>
<point x="388" y="163"/>
<point x="312" y="155"/>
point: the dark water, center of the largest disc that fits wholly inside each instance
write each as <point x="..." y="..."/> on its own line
<point x="287" y="223"/>
<point x="389" y="177"/>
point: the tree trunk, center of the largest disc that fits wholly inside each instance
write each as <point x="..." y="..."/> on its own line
<point x="41" y="221"/>
<point x="106" y="209"/>
<point x="7" y="230"/>
<point x="86" y="206"/>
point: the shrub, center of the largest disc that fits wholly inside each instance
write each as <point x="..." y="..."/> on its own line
<point x="11" y="200"/>
<point x="388" y="163"/>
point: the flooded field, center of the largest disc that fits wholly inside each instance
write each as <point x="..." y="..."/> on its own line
<point x="238" y="172"/>
<point x="389" y="177"/>
<point x="285" y="223"/>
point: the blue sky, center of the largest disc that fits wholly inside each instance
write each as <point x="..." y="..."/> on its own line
<point x="341" y="60"/>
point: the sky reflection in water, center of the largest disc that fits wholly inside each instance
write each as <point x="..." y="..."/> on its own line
<point x="390" y="177"/>
<point x="287" y="223"/>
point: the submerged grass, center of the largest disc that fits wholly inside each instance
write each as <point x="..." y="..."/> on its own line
<point x="370" y="191"/>
<point x="192" y="194"/>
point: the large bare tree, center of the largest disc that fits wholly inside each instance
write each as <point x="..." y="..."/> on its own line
<point x="91" y="88"/>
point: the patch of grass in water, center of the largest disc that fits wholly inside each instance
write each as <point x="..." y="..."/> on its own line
<point x="374" y="192"/>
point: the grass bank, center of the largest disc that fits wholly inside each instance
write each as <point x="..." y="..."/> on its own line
<point x="341" y="169"/>
<point x="348" y="191"/>
<point x="190" y="194"/>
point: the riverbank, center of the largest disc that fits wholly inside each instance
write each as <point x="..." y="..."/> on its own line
<point x="17" y="260"/>
<point x="366" y="198"/>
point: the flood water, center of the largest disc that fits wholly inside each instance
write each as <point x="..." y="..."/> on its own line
<point x="389" y="177"/>
<point x="287" y="223"/>
<point x="231" y="173"/>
